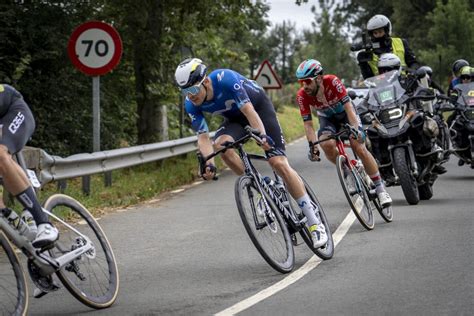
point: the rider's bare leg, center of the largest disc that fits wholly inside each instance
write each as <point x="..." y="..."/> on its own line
<point x="230" y="157"/>
<point x="16" y="182"/>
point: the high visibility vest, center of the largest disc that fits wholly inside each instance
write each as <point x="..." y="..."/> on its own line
<point x="397" y="49"/>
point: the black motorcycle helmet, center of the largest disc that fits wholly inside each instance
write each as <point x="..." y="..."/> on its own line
<point x="457" y="66"/>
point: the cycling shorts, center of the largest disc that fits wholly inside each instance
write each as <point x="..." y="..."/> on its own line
<point x="17" y="126"/>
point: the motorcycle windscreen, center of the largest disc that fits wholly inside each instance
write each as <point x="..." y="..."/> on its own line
<point x="466" y="94"/>
<point x="384" y="90"/>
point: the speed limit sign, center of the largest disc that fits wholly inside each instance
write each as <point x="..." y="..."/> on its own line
<point x="95" y="48"/>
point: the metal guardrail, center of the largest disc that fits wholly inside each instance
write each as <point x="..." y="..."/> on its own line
<point x="50" y="168"/>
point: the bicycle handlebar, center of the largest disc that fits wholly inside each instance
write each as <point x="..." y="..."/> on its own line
<point x="348" y="129"/>
<point x="250" y="133"/>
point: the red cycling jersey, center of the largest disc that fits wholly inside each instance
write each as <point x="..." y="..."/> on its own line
<point x="336" y="96"/>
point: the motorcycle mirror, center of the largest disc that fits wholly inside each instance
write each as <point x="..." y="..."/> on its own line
<point x="352" y="94"/>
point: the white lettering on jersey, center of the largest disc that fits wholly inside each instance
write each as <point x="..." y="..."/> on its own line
<point x="16" y="123"/>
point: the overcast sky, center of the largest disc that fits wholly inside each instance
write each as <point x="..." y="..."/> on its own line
<point x="284" y="10"/>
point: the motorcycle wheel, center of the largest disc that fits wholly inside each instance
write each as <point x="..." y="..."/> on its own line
<point x="425" y="191"/>
<point x="407" y="180"/>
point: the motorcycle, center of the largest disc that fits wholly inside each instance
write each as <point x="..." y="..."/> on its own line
<point x="401" y="134"/>
<point x="461" y="124"/>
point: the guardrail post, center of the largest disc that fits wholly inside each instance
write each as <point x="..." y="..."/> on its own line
<point x="62" y="185"/>
<point x="108" y="178"/>
<point x="86" y="185"/>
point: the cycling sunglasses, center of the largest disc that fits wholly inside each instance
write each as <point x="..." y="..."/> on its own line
<point x="192" y="90"/>
<point x="307" y="80"/>
<point x="464" y="77"/>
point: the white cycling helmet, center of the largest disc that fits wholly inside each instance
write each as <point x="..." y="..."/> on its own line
<point x="379" y="21"/>
<point x="388" y="62"/>
<point x="189" y="72"/>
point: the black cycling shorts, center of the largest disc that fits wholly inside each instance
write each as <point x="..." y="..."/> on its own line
<point x="17" y="126"/>
<point x="332" y="125"/>
<point x="234" y="127"/>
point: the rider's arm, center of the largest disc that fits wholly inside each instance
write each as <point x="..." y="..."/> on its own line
<point x="205" y="146"/>
<point x="352" y="116"/>
<point x="309" y="131"/>
<point x="252" y="117"/>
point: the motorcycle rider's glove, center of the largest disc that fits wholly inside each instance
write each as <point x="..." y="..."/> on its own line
<point x="314" y="152"/>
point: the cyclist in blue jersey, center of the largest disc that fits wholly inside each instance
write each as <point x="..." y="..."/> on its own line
<point x="241" y="102"/>
<point x="16" y="127"/>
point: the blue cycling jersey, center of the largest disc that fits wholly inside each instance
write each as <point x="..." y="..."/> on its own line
<point x="231" y="92"/>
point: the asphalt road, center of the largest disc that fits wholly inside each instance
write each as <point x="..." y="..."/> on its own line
<point x="190" y="255"/>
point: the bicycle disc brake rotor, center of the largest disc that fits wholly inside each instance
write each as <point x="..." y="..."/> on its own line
<point x="271" y="221"/>
<point x="81" y="242"/>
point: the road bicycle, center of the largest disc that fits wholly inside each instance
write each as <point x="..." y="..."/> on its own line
<point x="356" y="184"/>
<point x="82" y="257"/>
<point x="270" y="215"/>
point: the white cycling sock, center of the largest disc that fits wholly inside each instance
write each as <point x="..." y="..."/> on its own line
<point x="309" y="211"/>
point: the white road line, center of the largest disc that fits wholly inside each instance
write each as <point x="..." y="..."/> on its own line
<point x="312" y="263"/>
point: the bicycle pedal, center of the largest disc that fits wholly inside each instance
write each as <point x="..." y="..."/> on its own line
<point x="48" y="247"/>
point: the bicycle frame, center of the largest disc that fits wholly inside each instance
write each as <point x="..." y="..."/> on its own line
<point x="285" y="210"/>
<point x="250" y="170"/>
<point x="45" y="263"/>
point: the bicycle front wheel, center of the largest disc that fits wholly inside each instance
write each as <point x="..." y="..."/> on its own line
<point x="92" y="278"/>
<point x="356" y="193"/>
<point x="13" y="288"/>
<point x="266" y="228"/>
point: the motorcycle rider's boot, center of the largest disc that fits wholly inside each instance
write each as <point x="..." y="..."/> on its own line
<point x="439" y="169"/>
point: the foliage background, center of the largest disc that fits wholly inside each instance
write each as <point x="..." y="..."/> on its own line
<point x="139" y="101"/>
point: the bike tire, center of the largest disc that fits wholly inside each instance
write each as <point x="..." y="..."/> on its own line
<point x="407" y="180"/>
<point x="274" y="246"/>
<point x="385" y="212"/>
<point x="356" y="193"/>
<point x="100" y="287"/>
<point x="327" y="251"/>
<point x="13" y="287"/>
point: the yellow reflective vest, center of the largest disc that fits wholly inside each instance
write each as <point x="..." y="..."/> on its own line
<point x="397" y="49"/>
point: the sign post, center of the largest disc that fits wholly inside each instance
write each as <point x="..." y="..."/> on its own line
<point x="95" y="48"/>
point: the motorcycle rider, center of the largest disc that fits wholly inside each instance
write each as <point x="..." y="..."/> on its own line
<point x="389" y="62"/>
<point x="464" y="76"/>
<point x="458" y="65"/>
<point x="379" y="29"/>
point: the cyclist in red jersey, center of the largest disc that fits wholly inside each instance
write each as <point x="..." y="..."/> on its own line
<point x="327" y="97"/>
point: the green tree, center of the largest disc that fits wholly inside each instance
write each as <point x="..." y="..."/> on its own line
<point x="328" y="44"/>
<point x="451" y="36"/>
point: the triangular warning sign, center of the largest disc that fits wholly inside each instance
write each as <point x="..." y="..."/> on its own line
<point x="266" y="77"/>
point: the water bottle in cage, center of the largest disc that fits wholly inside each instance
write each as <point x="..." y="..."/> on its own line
<point x="280" y="187"/>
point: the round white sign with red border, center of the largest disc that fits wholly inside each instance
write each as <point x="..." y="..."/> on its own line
<point x="95" y="48"/>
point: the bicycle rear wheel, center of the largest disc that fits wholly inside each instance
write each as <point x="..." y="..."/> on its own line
<point x="269" y="234"/>
<point x="327" y="251"/>
<point x="93" y="278"/>
<point x="13" y="288"/>
<point x="355" y="192"/>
